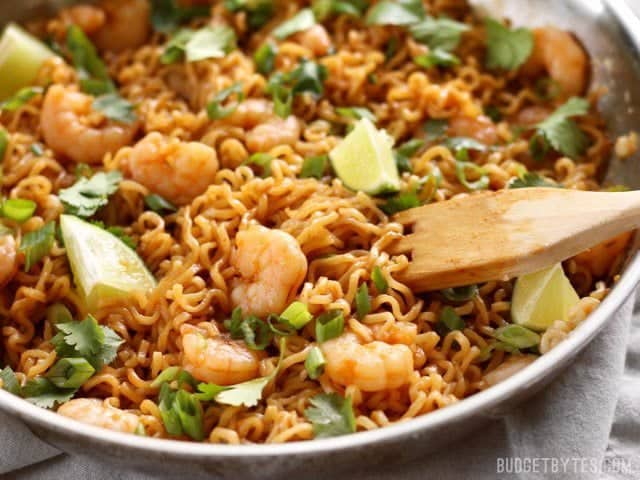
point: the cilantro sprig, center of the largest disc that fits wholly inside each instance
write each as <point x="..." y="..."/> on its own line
<point x="194" y="45"/>
<point x="331" y="415"/>
<point x="507" y="49"/>
<point x="86" y="196"/>
<point x="167" y="15"/>
<point x="307" y="77"/>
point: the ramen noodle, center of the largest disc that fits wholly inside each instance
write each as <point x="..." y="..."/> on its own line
<point x="277" y="298"/>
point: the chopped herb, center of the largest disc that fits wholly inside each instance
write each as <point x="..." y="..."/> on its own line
<point x="437" y="58"/>
<point x="279" y="326"/>
<point x="435" y="128"/>
<point x="86" y="196"/>
<point x="216" y="111"/>
<point x="440" y="34"/>
<point x="18" y="209"/>
<point x="258" y="12"/>
<point x="398" y="12"/>
<point x="517" y="336"/>
<point x="9" y="381"/>
<point x="58" y="313"/>
<point x="167" y="15"/>
<point x="94" y="76"/>
<point x="262" y="160"/>
<point x="482" y="183"/>
<point x="20" y="98"/>
<point x="70" y="372"/>
<point x="4" y="143"/>
<point x="379" y="280"/>
<point x="308" y="77"/>
<point x="87" y="339"/>
<point x="323" y="9"/>
<point x="303" y="20"/>
<point x="449" y="321"/>
<point x="37" y="244"/>
<point x="181" y="412"/>
<point x="465" y="143"/>
<point x="460" y="294"/>
<point x="297" y="315"/>
<point x="195" y="45"/>
<point x="331" y="415"/>
<point x="42" y="392"/>
<point x="493" y="113"/>
<point x="400" y="202"/>
<point x="158" y="204"/>
<point x="116" y="108"/>
<point x="530" y="179"/>
<point x="37" y="149"/>
<point x="507" y="48"/>
<point x="314" y="363"/>
<point x="265" y="58"/>
<point x="255" y="332"/>
<point x="404" y="152"/>
<point x="314" y="167"/>
<point x="561" y="132"/>
<point x="329" y="325"/>
<point x="356" y="113"/>
<point x="168" y="375"/>
<point x="391" y="48"/>
<point x="363" y="301"/>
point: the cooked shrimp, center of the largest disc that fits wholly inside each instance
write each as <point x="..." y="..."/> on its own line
<point x="372" y="367"/>
<point x="251" y="112"/>
<point x="127" y="25"/>
<point x="100" y="414"/>
<point x="396" y="332"/>
<point x="218" y="360"/>
<point x="71" y="127"/>
<point x="178" y="171"/>
<point x="8" y="264"/>
<point x="87" y="17"/>
<point x="481" y="128"/>
<point x="275" y="132"/>
<point x="600" y="258"/>
<point x="560" y="55"/>
<point x="531" y="115"/>
<point x="510" y="367"/>
<point x="271" y="268"/>
<point x="316" y="39"/>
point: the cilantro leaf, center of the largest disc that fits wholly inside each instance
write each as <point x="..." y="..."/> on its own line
<point x="9" y="381"/>
<point x="245" y="393"/>
<point x="167" y="15"/>
<point x="42" y="392"/>
<point x="441" y="34"/>
<point x="86" y="196"/>
<point x="216" y="111"/>
<point x="531" y="179"/>
<point x="96" y="343"/>
<point x="258" y="12"/>
<point x="331" y="415"/>
<point x="561" y="132"/>
<point x="308" y="77"/>
<point x="323" y="9"/>
<point x="303" y="20"/>
<point x="114" y="107"/>
<point x="507" y="49"/>
<point x="195" y="45"/>
<point x="21" y="97"/>
<point x="398" y="12"/>
<point x="37" y="244"/>
<point x="437" y="58"/>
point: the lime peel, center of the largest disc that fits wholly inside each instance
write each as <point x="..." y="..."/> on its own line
<point x="103" y="266"/>
<point x="364" y="160"/>
<point x="541" y="298"/>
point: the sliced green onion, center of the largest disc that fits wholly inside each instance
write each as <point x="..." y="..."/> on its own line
<point x="18" y="209"/>
<point x="189" y="411"/>
<point x="437" y="58"/>
<point x="170" y="417"/>
<point x="168" y="375"/>
<point x="461" y="172"/>
<point x="329" y="325"/>
<point x="10" y="381"/>
<point x="4" y="143"/>
<point x="37" y="244"/>
<point x="314" y="167"/>
<point x="70" y="372"/>
<point x="314" y="363"/>
<point x="460" y="294"/>
<point x="216" y="111"/>
<point x="297" y="315"/>
<point x="256" y="333"/>
<point x="265" y="58"/>
<point x="262" y="160"/>
<point x="363" y="302"/>
<point x="449" y="321"/>
<point x="356" y="113"/>
<point x="140" y="430"/>
<point x="20" y="98"/>
<point x="378" y="280"/>
<point x="279" y="326"/>
<point x="58" y="313"/>
<point x="159" y="204"/>
<point x="517" y="336"/>
<point x="303" y="20"/>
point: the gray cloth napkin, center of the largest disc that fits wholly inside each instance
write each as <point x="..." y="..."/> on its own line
<point x="570" y="421"/>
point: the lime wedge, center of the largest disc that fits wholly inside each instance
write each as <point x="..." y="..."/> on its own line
<point x="541" y="298"/>
<point x="103" y="266"/>
<point x="21" y="56"/>
<point x="364" y="160"/>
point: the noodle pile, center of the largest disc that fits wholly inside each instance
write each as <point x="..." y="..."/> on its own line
<point x="344" y="235"/>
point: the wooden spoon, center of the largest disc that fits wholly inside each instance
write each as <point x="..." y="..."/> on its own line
<point x="504" y="234"/>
